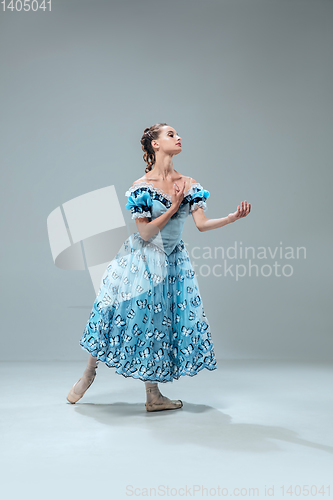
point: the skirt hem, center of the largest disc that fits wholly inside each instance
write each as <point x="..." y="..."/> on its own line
<point x="151" y="379"/>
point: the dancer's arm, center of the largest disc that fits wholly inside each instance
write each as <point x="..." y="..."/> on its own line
<point x="204" y="224"/>
<point x="148" y="229"/>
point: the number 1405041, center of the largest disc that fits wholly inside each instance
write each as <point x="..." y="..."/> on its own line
<point x="26" y="5"/>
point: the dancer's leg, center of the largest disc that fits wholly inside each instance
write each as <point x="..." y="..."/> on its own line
<point x="80" y="387"/>
<point x="88" y="374"/>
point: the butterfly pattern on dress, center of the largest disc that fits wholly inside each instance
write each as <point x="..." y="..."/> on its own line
<point x="148" y="319"/>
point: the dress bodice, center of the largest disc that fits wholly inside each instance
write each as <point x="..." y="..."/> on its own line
<point x="144" y="200"/>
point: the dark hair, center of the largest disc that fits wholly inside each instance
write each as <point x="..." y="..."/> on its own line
<point x="150" y="134"/>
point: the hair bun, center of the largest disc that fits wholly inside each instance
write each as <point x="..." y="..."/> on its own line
<point x="148" y="135"/>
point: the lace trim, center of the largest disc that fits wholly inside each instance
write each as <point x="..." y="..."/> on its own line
<point x="197" y="204"/>
<point x="160" y="191"/>
<point x="139" y="215"/>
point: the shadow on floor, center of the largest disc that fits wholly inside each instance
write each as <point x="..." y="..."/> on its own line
<point x="196" y="424"/>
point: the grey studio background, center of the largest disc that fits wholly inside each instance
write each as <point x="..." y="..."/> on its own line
<point x="247" y="84"/>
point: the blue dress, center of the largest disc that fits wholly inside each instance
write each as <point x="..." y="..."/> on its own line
<point x="148" y="319"/>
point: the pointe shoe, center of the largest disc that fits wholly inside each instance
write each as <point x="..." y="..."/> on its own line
<point x="160" y="404"/>
<point x="72" y="396"/>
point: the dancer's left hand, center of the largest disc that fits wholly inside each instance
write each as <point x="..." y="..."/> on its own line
<point x="242" y="211"/>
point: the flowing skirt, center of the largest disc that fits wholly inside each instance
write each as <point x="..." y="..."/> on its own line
<point x="148" y="319"/>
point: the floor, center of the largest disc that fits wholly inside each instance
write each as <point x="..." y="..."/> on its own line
<point x="251" y="428"/>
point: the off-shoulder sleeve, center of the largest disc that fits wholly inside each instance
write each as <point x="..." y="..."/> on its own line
<point x="139" y="202"/>
<point x="199" y="196"/>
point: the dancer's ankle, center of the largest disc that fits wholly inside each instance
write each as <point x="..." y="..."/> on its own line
<point x="152" y="391"/>
<point x="86" y="379"/>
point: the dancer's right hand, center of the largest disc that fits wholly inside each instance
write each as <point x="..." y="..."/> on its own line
<point x="178" y="194"/>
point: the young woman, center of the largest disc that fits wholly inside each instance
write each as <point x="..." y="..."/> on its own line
<point x="148" y="319"/>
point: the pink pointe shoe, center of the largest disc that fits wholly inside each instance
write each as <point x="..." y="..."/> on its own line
<point x="162" y="403"/>
<point x="73" y="397"/>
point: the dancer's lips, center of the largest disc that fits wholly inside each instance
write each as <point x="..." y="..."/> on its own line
<point x="178" y="144"/>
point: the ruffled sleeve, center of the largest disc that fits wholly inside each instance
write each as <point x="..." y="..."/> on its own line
<point x="198" y="198"/>
<point x="139" y="203"/>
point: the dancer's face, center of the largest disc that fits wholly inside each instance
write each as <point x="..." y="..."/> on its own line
<point x="168" y="141"/>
